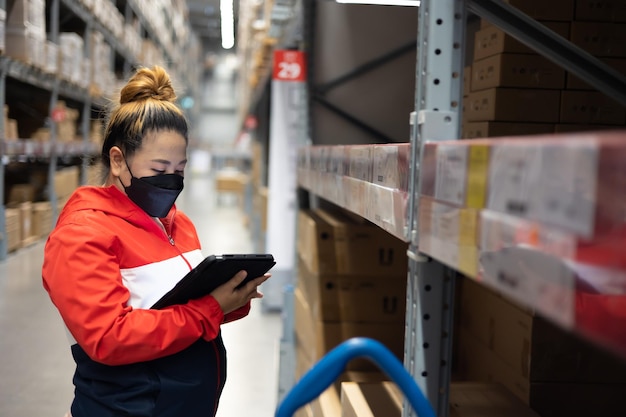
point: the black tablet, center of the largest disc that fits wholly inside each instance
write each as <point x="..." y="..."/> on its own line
<point x="212" y="272"/>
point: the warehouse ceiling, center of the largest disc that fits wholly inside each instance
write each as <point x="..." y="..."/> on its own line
<point x="204" y="17"/>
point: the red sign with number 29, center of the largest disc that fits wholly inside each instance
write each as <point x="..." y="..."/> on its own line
<point x="289" y="66"/>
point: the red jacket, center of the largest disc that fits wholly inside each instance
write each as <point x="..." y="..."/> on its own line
<point x="105" y="263"/>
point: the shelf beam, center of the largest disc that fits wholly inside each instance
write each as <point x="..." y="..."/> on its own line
<point x="554" y="47"/>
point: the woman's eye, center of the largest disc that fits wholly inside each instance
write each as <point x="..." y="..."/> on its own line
<point x="180" y="172"/>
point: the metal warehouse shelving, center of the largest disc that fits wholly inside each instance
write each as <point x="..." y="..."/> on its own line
<point x="173" y="46"/>
<point x="440" y="62"/>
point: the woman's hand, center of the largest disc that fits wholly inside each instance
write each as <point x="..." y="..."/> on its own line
<point x="230" y="298"/>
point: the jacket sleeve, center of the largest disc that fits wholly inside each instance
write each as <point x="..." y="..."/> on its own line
<point x="82" y="276"/>
<point x="240" y="313"/>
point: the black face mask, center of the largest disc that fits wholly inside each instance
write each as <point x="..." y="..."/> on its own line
<point x="156" y="194"/>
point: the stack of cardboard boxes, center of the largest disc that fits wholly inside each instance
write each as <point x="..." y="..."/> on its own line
<point x="510" y="90"/>
<point x="29" y="215"/>
<point x="351" y="282"/>
<point x="26" y="32"/>
<point x="550" y="370"/>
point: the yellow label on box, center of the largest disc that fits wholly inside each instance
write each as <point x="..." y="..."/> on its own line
<point x="477" y="172"/>
<point x="468" y="222"/>
<point x="468" y="261"/>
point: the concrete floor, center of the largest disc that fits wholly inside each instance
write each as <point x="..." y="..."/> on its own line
<point x="36" y="367"/>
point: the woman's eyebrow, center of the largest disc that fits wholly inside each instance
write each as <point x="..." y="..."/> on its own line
<point x="166" y="162"/>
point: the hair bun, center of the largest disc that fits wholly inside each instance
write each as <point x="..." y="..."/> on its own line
<point x="148" y="83"/>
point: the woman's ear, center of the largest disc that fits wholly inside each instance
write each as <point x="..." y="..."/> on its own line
<point x="117" y="161"/>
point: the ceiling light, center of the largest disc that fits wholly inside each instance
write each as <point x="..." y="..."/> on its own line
<point x="228" y="23"/>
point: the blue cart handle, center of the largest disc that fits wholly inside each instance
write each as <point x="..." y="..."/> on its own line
<point x="328" y="369"/>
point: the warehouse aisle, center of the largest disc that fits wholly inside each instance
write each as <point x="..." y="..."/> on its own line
<point x="35" y="363"/>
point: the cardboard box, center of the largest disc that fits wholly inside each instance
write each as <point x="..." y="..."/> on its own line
<point x="316" y="338"/>
<point x="391" y="165"/>
<point x="42" y="219"/>
<point x="66" y="180"/>
<point x="467" y="80"/>
<point x="335" y="243"/>
<point x="575" y="83"/>
<point x="514" y="105"/>
<point x="327" y="404"/>
<point x="601" y="10"/>
<point x="476" y="399"/>
<point x="516" y="70"/>
<point x="492" y="40"/>
<point x="477" y="363"/>
<point x="20" y="193"/>
<point x="12" y="228"/>
<point x="27" y="14"/>
<point x="373" y="299"/>
<point x="533" y="347"/>
<point x="25" y="45"/>
<point x="371" y="400"/>
<point x="473" y="130"/>
<point x="591" y="107"/>
<point x="600" y="39"/>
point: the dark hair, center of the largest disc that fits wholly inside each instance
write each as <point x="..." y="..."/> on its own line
<point x="147" y="104"/>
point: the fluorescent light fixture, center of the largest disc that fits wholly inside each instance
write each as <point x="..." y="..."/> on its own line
<point x="227" y="16"/>
<point x="413" y="3"/>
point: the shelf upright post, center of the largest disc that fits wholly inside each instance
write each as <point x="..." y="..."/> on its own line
<point x="54" y="96"/>
<point x="88" y="53"/>
<point x="3" y="227"/>
<point x="430" y="285"/>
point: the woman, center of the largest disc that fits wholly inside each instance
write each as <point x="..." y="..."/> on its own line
<point x="116" y="250"/>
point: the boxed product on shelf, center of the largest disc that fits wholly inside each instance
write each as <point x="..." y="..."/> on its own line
<point x="382" y="399"/>
<point x="500" y="342"/>
<point x="336" y="297"/>
<point x="391" y="165"/>
<point x="513" y="105"/>
<point x="449" y="234"/>
<point x="591" y="107"/>
<point x="71" y="47"/>
<point x="473" y="130"/>
<point x="51" y="64"/>
<point x="42" y="219"/>
<point x="327" y="404"/>
<point x="315" y="338"/>
<point x="27" y="15"/>
<point x="12" y="228"/>
<point x="605" y="11"/>
<point x="20" y="193"/>
<point x="26" y="46"/>
<point x="518" y="71"/>
<point x="467" y="80"/>
<point x="485" y="399"/>
<point x="491" y="40"/>
<point x="338" y="243"/>
<point x="3" y="21"/>
<point x="66" y="180"/>
<point x="601" y="39"/>
<point x="360" y="162"/>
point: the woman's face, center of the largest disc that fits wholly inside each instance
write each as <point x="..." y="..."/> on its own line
<point x="163" y="152"/>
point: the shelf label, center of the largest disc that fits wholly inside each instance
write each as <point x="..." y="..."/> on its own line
<point x="289" y="66"/>
<point x="451" y="175"/>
